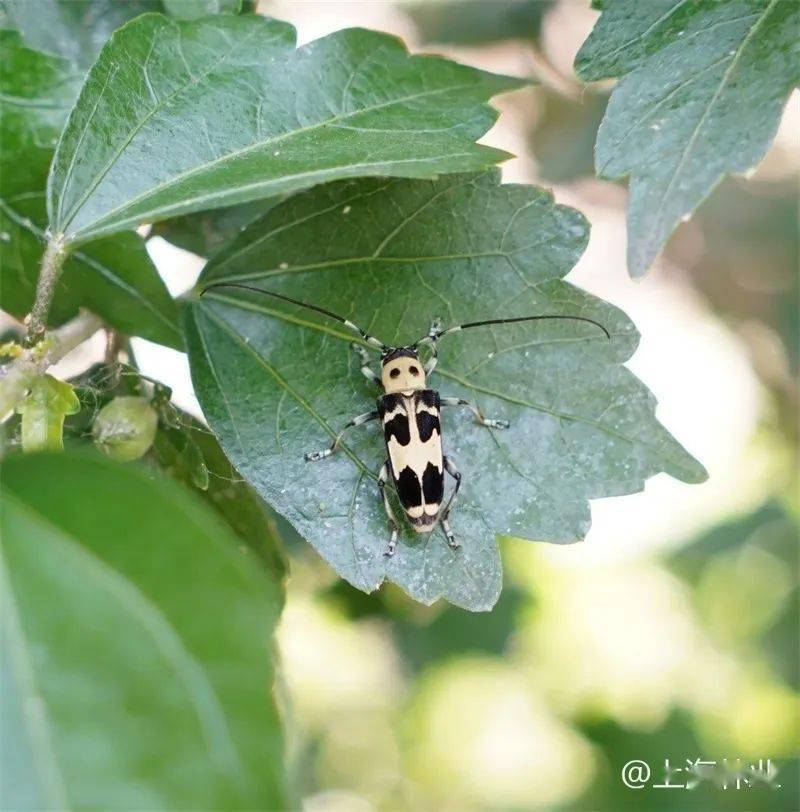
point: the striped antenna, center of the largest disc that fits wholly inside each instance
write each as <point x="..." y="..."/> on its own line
<point x="371" y="340"/>
<point x="437" y="334"/>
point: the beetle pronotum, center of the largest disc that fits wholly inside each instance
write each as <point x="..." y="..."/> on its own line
<point x="409" y="412"/>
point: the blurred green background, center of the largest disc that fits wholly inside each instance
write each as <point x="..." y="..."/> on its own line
<point x="672" y="632"/>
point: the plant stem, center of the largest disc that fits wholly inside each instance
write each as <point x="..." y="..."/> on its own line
<point x="17" y="376"/>
<point x="52" y="262"/>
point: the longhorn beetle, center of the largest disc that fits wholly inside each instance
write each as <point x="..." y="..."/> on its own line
<point x="409" y="412"/>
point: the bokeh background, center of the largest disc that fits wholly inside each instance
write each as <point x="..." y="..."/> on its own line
<point x="672" y="632"/>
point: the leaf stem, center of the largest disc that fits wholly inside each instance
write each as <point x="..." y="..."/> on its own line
<point x="17" y="376"/>
<point x="52" y="262"/>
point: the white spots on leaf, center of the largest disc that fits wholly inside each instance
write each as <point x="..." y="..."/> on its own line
<point x="347" y="210"/>
<point x="5" y="236"/>
<point x="283" y="266"/>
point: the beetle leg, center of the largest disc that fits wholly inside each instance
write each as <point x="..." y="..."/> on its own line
<point x="435" y="329"/>
<point x="451" y="469"/>
<point x="383" y="476"/>
<point x="484" y="421"/>
<point x="313" y="456"/>
<point x="366" y="371"/>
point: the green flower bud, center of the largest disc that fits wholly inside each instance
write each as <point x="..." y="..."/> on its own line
<point x="125" y="428"/>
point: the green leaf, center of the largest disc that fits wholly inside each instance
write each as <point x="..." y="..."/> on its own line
<point x="224" y="110"/>
<point x="206" y="232"/>
<point x="194" y="9"/>
<point x="475" y="22"/>
<point x="191" y="454"/>
<point x="73" y="29"/>
<point x="38" y="91"/>
<point x="135" y="634"/>
<point x="114" y="277"/>
<point x="43" y="411"/>
<point x="275" y="381"/>
<point x="704" y="87"/>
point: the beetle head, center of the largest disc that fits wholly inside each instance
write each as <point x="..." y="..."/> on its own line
<point x="401" y="370"/>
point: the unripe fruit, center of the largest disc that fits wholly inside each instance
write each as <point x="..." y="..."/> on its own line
<point x="125" y="428"/>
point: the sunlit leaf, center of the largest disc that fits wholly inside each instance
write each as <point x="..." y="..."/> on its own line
<point x="275" y="382"/>
<point x="704" y="84"/>
<point x="136" y="645"/>
<point x="177" y="117"/>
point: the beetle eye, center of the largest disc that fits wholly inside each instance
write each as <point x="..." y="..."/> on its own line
<point x="413" y="370"/>
<point x="394" y="372"/>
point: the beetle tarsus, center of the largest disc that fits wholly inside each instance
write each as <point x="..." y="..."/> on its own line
<point x="451" y="536"/>
<point x="495" y="424"/>
<point x="390" y="550"/>
<point x="436" y="326"/>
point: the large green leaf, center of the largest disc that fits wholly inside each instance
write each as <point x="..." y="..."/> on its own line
<point x="136" y="645"/>
<point x="114" y="277"/>
<point x="704" y="86"/>
<point x="275" y="382"/>
<point x="178" y="117"/>
<point x="72" y="29"/>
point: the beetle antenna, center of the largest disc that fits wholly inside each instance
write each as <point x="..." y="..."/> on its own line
<point x="371" y="340"/>
<point x="435" y="335"/>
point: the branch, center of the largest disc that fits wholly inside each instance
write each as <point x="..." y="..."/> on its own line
<point x="17" y="376"/>
<point x="52" y="262"/>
